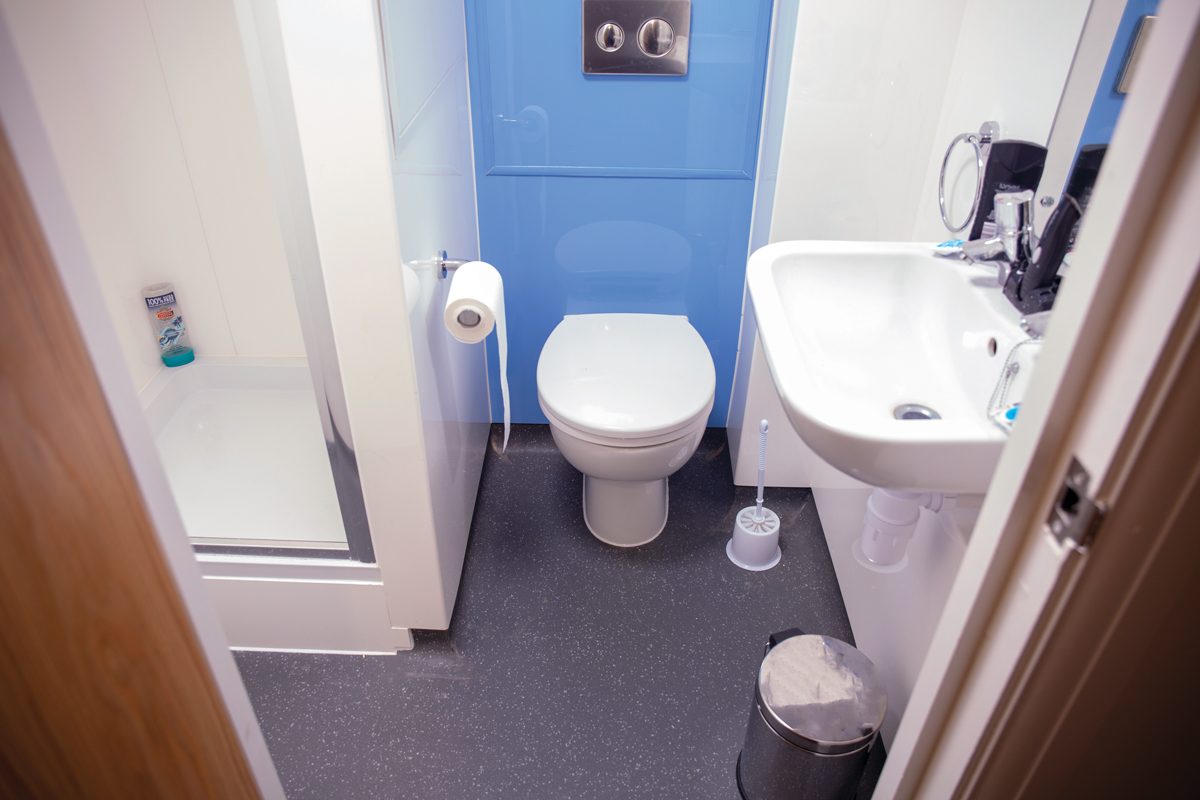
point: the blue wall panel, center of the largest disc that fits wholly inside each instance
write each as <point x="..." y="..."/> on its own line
<point x="1106" y="107"/>
<point x="613" y="193"/>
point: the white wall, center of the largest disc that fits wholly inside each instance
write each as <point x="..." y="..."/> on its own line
<point x="867" y="84"/>
<point x="337" y="77"/>
<point x="876" y="92"/>
<point x="878" y="89"/>
<point x="770" y="144"/>
<point x="433" y="182"/>
<point x="149" y="113"/>
<point x="1010" y="65"/>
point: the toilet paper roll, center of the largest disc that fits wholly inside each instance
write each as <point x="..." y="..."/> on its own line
<point x="474" y="305"/>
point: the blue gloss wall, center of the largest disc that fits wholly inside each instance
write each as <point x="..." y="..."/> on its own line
<point x="613" y="193"/>
<point x="1106" y="106"/>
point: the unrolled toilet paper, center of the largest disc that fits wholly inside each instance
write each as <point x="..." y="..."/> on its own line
<point x="474" y="305"/>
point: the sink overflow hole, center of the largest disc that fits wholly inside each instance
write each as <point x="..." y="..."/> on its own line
<point x="915" y="411"/>
<point x="992" y="346"/>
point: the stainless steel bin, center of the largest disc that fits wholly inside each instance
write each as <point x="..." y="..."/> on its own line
<point x="818" y="705"/>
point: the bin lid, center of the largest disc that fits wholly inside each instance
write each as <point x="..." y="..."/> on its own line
<point x="821" y="694"/>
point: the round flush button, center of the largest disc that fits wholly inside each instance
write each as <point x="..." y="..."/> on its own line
<point x="656" y="37"/>
<point x="610" y="36"/>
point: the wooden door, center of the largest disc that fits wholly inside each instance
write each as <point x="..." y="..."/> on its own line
<point x="104" y="688"/>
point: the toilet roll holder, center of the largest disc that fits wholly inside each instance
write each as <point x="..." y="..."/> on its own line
<point x="443" y="266"/>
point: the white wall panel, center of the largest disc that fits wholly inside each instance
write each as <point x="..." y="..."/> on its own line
<point x="893" y="615"/>
<point x="337" y="78"/>
<point x="151" y="123"/>
<point x="434" y="185"/>
<point x="877" y="90"/>
<point x="1010" y="65"/>
<point x="770" y="146"/>
<point x="200" y="49"/>
<point x="867" y="83"/>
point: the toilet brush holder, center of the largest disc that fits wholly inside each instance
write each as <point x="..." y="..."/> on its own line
<point x="755" y="543"/>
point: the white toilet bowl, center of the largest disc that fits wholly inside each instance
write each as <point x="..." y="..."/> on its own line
<point x="628" y="397"/>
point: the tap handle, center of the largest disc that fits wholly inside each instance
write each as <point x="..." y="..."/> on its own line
<point x="1014" y="223"/>
<point x="1009" y="208"/>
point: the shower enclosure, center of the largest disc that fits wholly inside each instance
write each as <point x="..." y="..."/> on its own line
<point x="325" y="447"/>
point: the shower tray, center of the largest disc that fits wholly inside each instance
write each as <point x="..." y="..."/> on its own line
<point x="241" y="442"/>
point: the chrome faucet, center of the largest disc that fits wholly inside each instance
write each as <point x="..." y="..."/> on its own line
<point x="1014" y="225"/>
<point x="1027" y="267"/>
<point x="1013" y="245"/>
<point x="1033" y="281"/>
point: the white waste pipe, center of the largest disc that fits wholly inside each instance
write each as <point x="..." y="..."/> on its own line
<point x="890" y="521"/>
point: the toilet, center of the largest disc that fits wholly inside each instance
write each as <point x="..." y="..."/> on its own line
<point x="628" y="397"/>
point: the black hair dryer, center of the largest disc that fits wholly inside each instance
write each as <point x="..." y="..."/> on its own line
<point x="1032" y="286"/>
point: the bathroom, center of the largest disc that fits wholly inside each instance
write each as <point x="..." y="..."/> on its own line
<point x="402" y="521"/>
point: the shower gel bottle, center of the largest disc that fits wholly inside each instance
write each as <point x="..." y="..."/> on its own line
<point x="167" y="321"/>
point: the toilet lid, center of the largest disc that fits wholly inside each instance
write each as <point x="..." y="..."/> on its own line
<point x="626" y="375"/>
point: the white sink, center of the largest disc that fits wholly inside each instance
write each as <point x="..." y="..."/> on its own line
<point x="852" y="330"/>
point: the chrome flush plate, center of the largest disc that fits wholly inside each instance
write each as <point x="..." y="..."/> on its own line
<point x="636" y="37"/>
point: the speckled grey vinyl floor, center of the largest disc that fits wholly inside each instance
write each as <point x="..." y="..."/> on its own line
<point x="572" y="669"/>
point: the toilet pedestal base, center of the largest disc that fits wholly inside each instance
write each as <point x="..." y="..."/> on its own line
<point x="624" y="513"/>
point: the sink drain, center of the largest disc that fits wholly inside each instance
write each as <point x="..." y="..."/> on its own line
<point x="915" y="411"/>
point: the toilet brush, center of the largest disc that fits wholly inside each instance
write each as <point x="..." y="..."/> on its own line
<point x="755" y="542"/>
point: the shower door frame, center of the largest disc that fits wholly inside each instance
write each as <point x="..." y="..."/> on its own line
<point x="310" y="599"/>
<point x="337" y="192"/>
<point x="285" y="164"/>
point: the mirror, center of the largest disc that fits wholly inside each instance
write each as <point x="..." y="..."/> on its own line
<point x="1111" y="42"/>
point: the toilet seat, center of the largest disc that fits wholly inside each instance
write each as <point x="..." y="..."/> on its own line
<point x="626" y="379"/>
<point x="682" y="432"/>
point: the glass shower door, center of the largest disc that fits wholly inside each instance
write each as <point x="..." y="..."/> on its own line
<point x="162" y="143"/>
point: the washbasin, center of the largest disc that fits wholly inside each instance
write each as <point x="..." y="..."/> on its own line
<point x="853" y="331"/>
